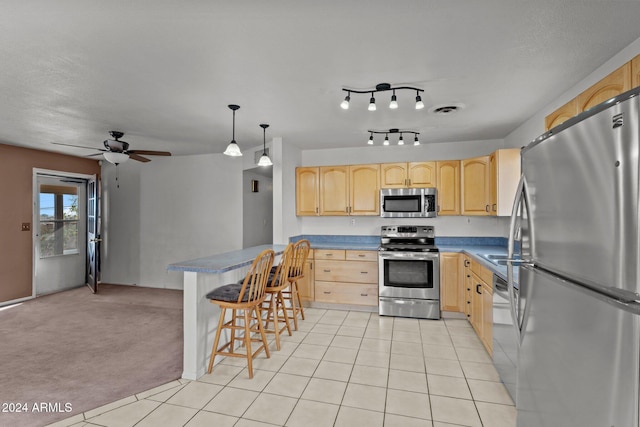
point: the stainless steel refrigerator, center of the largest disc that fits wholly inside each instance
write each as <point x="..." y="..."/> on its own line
<point x="577" y="310"/>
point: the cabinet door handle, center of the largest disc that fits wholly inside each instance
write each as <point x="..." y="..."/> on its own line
<point x="477" y="289"/>
<point x="495" y="207"/>
<point x="486" y="208"/>
<point x="316" y="210"/>
<point x="438" y="208"/>
<point x="467" y="263"/>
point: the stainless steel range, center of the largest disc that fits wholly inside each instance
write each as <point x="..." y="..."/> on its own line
<point x="409" y="272"/>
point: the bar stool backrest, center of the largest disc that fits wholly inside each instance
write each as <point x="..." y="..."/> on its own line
<point x="282" y="271"/>
<point x="255" y="282"/>
<point x="300" y="254"/>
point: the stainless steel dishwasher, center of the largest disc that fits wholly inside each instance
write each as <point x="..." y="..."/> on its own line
<point x="505" y="342"/>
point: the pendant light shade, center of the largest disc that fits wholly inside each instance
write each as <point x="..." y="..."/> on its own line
<point x="264" y="159"/>
<point x="233" y="149"/>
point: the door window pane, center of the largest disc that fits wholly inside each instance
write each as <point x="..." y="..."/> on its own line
<point x="58" y="220"/>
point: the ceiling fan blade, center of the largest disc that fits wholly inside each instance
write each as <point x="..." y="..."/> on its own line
<point x="149" y="152"/>
<point x="138" y="157"/>
<point x="78" y="146"/>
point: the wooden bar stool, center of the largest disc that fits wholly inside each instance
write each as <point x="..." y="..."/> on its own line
<point x="247" y="297"/>
<point x="274" y="302"/>
<point x="296" y="272"/>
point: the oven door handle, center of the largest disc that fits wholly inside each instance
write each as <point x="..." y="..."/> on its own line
<point x="416" y="256"/>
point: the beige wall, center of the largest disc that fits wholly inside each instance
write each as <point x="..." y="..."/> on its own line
<point x="16" y="176"/>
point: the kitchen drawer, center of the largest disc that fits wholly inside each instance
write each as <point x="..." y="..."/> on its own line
<point x="362" y="255"/>
<point x="347" y="293"/>
<point x="347" y="271"/>
<point x="483" y="273"/>
<point x="338" y="254"/>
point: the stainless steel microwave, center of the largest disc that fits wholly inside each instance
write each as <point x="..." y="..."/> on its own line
<point x="408" y="202"/>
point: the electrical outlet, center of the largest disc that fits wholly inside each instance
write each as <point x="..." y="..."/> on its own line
<point x="352" y="221"/>
<point x="26" y="226"/>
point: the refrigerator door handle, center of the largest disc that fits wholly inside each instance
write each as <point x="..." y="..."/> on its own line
<point x="521" y="202"/>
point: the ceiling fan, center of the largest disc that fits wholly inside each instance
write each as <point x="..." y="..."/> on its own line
<point x="116" y="151"/>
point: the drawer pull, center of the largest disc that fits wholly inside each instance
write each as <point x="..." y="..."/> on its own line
<point x="364" y="295"/>
<point x="364" y="272"/>
<point x="327" y="271"/>
<point x="327" y="292"/>
<point x="361" y="255"/>
<point x="328" y="254"/>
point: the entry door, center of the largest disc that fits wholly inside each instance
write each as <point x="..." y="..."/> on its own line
<point x="60" y="233"/>
<point x="93" y="238"/>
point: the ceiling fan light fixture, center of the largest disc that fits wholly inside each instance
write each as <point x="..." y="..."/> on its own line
<point x="264" y="159"/>
<point x="115" y="158"/>
<point x="233" y="149"/>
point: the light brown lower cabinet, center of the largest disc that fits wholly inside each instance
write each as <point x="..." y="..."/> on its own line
<point x="306" y="284"/>
<point x="451" y="286"/>
<point x="482" y="304"/>
<point x="346" y="277"/>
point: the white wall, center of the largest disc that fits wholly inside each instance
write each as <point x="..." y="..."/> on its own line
<point x="534" y="126"/>
<point x="257" y="210"/>
<point x="169" y="210"/>
<point x="361" y="225"/>
<point x="286" y="158"/>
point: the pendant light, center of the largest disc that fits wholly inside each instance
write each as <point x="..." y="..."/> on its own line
<point x="233" y="149"/>
<point x="264" y="159"/>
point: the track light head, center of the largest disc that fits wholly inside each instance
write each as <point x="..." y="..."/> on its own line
<point x="394" y="102"/>
<point x="419" y="103"/>
<point x="372" y="103"/>
<point x="345" y="103"/>
<point x="386" y="140"/>
<point x="401" y="140"/>
<point x="415" y="140"/>
<point x="370" y="141"/>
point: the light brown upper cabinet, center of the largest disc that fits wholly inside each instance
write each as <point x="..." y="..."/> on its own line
<point x="338" y="190"/>
<point x="619" y="81"/>
<point x="448" y="179"/>
<point x="364" y="189"/>
<point x="408" y="175"/>
<point x="561" y="115"/>
<point x="334" y="190"/>
<point x="476" y="182"/>
<point x="307" y="191"/>
<point x="612" y="85"/>
<point x="504" y="166"/>
<point x="635" y="72"/>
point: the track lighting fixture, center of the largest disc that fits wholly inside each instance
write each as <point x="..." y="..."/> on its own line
<point x="393" y="131"/>
<point x="383" y="87"/>
<point x="264" y="159"/>
<point x="233" y="149"/>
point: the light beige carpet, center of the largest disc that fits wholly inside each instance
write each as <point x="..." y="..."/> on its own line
<point x="73" y="351"/>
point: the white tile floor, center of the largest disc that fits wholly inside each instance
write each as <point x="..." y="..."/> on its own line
<point x="341" y="368"/>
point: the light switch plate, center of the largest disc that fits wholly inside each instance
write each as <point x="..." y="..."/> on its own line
<point x="26" y="226"/>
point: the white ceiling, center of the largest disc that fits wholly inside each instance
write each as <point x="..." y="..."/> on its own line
<point x="164" y="71"/>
